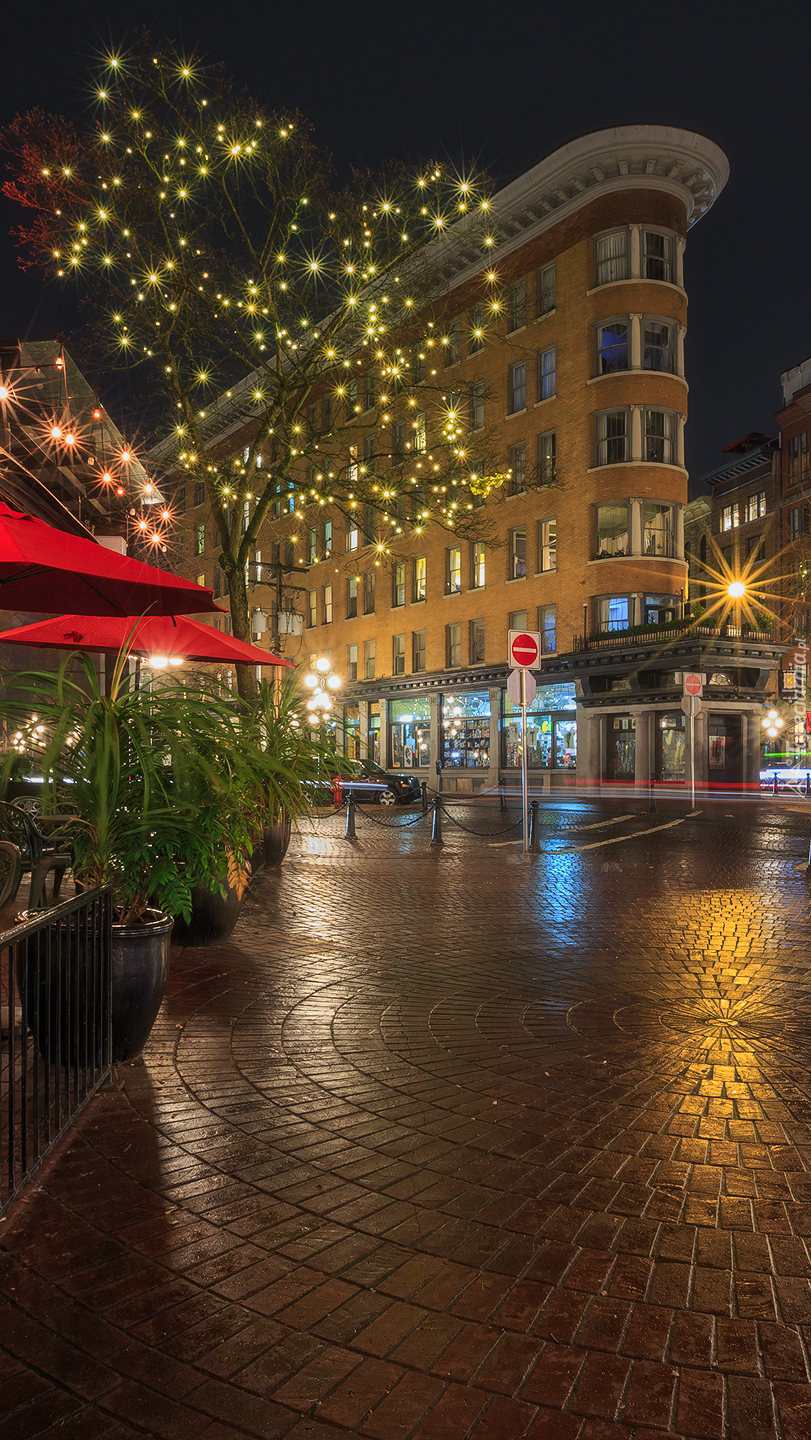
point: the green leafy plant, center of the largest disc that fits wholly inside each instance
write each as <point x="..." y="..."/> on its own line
<point x="168" y="786"/>
<point x="297" y="757"/>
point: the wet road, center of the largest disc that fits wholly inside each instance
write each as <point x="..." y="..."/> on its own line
<point x="451" y="1142"/>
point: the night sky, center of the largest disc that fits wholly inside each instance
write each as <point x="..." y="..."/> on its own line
<point x="504" y="85"/>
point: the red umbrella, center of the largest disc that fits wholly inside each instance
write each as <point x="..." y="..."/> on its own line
<point x="172" y="637"/>
<point x="46" y="569"/>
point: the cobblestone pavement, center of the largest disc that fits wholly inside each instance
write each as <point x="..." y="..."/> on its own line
<point x="450" y="1142"/>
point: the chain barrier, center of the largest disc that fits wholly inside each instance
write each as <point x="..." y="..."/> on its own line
<point x="397" y="824"/>
<point x="483" y="834"/>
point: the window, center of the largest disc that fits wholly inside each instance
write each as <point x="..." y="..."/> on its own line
<point x="351" y="662"/>
<point x="289" y="555"/>
<point x="518" y="553"/>
<point x="798" y="458"/>
<point x="518" y="387"/>
<point x="797" y="523"/>
<point x="418" y="432"/>
<point x="420" y="566"/>
<point x="477" y="565"/>
<point x="398" y="584"/>
<point x="327" y="604"/>
<point x="658" y="536"/>
<point x="477" y="405"/>
<point x="547" y="544"/>
<point x="658" y="348"/>
<point x="200" y="540"/>
<point x="452" y="350"/>
<point x="369" y="592"/>
<point x="756" y="545"/>
<point x="312" y="545"/>
<point x="418" y="364"/>
<point x="547" y="468"/>
<point x="477" y="642"/>
<point x="611" y="258"/>
<point x="369" y="399"/>
<point x="660" y="609"/>
<point x="756" y="506"/>
<point x="417" y="650"/>
<point x="453" y="570"/>
<point x="613" y="613"/>
<point x="476" y="329"/>
<point x="369" y="659"/>
<point x="726" y="553"/>
<point x="201" y="580"/>
<point x="352" y="406"/>
<point x="659" y="433"/>
<point x="351" y="598"/>
<point x="352" y="534"/>
<point x="612" y="439"/>
<point x="398" y="655"/>
<point x="518" y="620"/>
<point x="312" y="609"/>
<point x="199" y="492"/>
<point x="369" y="452"/>
<point x="546" y="628"/>
<point x="326" y="412"/>
<point x="612" y="347"/>
<point x="729" y="517"/>
<point x="658" y="252"/>
<point x="517" y="313"/>
<point x="612" y="531"/>
<point x="518" y="469"/>
<point x="327" y="539"/>
<point x="546" y="289"/>
<point x="453" y="646"/>
<point x="546" y="374"/>
<point x="180" y="497"/>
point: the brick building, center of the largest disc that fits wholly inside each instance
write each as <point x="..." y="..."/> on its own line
<point x="794" y="420"/>
<point x="584" y="396"/>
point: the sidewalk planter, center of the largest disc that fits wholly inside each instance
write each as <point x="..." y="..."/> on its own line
<point x="277" y="840"/>
<point x="67" y="1029"/>
<point x="213" y="917"/>
<point x="140" y="973"/>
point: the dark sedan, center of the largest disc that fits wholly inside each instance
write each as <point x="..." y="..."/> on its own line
<point x="371" y="783"/>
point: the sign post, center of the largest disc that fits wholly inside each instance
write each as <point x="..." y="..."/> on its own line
<point x="691" y="705"/>
<point x="524" y="647"/>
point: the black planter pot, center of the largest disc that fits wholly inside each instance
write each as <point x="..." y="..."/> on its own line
<point x="140" y="973"/>
<point x="63" y="1009"/>
<point x="277" y="839"/>
<point x="213" y="917"/>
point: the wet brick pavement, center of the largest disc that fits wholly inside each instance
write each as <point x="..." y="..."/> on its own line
<point x="450" y="1142"/>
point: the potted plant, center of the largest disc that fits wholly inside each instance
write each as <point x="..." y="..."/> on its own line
<point x="296" y="760"/>
<point x="165" y="788"/>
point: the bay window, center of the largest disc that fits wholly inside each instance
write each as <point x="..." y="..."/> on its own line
<point x="612" y="347"/>
<point x="612" y="257"/>
<point x="658" y="532"/>
<point x="660" y="430"/>
<point x="613" y="535"/>
<point x="612" y="438"/>
<point x="658" y="256"/>
<point x="658" y="346"/>
<point x="613" y="613"/>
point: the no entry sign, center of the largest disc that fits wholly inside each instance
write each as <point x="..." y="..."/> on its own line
<point x="524" y="648"/>
<point x="693" y="684"/>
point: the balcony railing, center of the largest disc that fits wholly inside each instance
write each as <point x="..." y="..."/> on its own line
<point x="55" y="1050"/>
<point x="680" y="630"/>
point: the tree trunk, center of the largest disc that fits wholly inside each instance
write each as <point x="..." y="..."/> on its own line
<point x="241" y="627"/>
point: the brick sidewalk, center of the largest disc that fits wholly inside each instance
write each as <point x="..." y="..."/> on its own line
<point x="446" y="1143"/>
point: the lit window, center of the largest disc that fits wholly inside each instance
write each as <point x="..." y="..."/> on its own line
<point x="546" y="373"/>
<point x="453" y="570"/>
<point x="612" y="347"/>
<point x="518" y="553"/>
<point x="547" y="544"/>
<point x="612" y="258"/>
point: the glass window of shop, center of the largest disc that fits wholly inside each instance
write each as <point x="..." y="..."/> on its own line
<point x="465" y="730"/>
<point x="551" y="730"/>
<point x="670" y="747"/>
<point x="621" y="747"/>
<point x="410" y="733"/>
<point x="352" y="731"/>
<point x="373" y="733"/>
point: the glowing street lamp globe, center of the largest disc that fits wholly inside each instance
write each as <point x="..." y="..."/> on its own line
<point x="736" y="590"/>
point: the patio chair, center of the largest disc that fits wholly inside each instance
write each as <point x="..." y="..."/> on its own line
<point x="39" y="854"/>
<point x="11" y="869"/>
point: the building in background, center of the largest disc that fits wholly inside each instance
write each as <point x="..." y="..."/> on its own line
<point x="794" y="420"/>
<point x="584" y="395"/>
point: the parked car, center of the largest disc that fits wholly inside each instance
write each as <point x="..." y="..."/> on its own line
<point x="791" y="778"/>
<point x="369" y="782"/>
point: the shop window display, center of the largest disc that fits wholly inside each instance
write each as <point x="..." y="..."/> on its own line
<point x="465" y="730"/>
<point x="670" y="733"/>
<point x="410" y="733"/>
<point x="551" y="730"/>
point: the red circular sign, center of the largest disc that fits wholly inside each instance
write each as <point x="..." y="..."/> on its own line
<point x="692" y="684"/>
<point x="524" y="650"/>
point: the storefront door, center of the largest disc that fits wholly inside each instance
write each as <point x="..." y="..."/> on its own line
<point x="725" y="755"/>
<point x="621" y="747"/>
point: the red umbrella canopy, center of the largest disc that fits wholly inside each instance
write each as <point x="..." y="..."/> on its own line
<point x="46" y="569"/>
<point x="171" y="637"/>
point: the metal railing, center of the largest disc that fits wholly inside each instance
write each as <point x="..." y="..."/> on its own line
<point x="681" y="630"/>
<point x="55" y="1046"/>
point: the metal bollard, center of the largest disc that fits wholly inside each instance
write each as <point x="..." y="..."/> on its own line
<point x="436" y="824"/>
<point x="652" y="805"/>
<point x="502" y="799"/>
<point x="424" y="789"/>
<point x="350" y="818"/>
<point x="808" y="782"/>
<point x="534" y="829"/>
<point x="774" y="784"/>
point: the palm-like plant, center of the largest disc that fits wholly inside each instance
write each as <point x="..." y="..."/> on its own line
<point x="168" y="786"/>
<point x="296" y="759"/>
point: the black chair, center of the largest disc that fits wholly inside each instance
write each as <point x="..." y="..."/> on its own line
<point x="11" y="869"/>
<point x="39" y="853"/>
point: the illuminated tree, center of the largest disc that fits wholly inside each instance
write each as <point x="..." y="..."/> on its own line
<point x="315" y="320"/>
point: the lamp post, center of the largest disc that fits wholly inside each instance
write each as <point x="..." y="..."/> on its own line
<point x="322" y="682"/>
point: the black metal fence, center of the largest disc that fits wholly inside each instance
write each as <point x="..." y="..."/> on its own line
<point x="55" y="1048"/>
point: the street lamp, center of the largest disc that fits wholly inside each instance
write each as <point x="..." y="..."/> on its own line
<point x="320" y="681"/>
<point x="736" y="590"/>
<point x="773" y="724"/>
